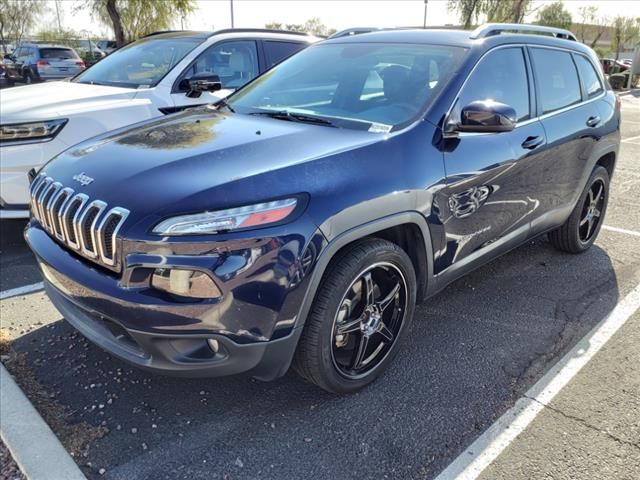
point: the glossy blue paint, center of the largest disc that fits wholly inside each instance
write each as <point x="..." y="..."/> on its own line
<point x="473" y="196"/>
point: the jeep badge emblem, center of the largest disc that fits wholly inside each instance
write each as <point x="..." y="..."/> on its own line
<point x="83" y="179"/>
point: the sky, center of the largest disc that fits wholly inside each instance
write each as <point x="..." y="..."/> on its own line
<point x="338" y="14"/>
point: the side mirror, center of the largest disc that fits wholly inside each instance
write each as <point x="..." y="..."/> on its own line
<point x="487" y="116"/>
<point x="201" y="82"/>
<point x="8" y="56"/>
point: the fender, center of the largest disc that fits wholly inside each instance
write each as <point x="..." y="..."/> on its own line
<point x="356" y="233"/>
<point x="279" y="354"/>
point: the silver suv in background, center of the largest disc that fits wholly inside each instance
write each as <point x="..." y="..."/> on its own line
<point x="31" y="63"/>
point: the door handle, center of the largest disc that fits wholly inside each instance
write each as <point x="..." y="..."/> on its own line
<point x="532" y="142"/>
<point x="593" y="121"/>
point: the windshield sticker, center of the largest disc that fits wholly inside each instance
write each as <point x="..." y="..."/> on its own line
<point x="380" y="128"/>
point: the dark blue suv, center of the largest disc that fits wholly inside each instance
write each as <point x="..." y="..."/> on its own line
<point x="299" y="222"/>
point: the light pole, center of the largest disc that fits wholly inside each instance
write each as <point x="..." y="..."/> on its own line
<point x="231" y="13"/>
<point x="424" y="25"/>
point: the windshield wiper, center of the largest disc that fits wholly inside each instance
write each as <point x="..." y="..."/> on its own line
<point x="223" y="103"/>
<point x="295" y="117"/>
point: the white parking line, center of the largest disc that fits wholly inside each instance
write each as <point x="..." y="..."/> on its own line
<point x="621" y="230"/>
<point x="481" y="453"/>
<point x="14" y="292"/>
<point x="632" y="140"/>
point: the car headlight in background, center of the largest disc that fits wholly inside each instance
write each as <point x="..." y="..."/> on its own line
<point x="257" y="215"/>
<point x="31" y="132"/>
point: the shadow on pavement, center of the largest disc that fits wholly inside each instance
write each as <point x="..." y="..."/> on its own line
<point x="472" y="350"/>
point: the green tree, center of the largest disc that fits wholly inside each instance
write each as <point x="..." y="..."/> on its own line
<point x="470" y="11"/>
<point x="313" y="26"/>
<point x="625" y="30"/>
<point x="590" y="25"/>
<point x="132" y="19"/>
<point x="554" y="15"/>
<point x="16" y="18"/>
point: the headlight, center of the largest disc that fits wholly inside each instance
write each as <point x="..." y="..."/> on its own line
<point x="35" y="131"/>
<point x="232" y="219"/>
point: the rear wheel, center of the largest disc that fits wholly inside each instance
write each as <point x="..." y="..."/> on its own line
<point x="359" y="317"/>
<point x="27" y="78"/>
<point x="581" y="229"/>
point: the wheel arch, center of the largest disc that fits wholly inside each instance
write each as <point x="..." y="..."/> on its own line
<point x="409" y="230"/>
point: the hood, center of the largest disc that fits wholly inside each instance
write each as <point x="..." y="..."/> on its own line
<point x="197" y="160"/>
<point x="50" y="100"/>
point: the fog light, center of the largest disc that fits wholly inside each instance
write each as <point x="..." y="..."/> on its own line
<point x="185" y="283"/>
<point x="214" y="345"/>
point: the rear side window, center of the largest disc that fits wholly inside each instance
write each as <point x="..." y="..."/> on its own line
<point x="500" y="76"/>
<point x="589" y="77"/>
<point x="61" y="53"/>
<point x="278" y="51"/>
<point x="558" y="84"/>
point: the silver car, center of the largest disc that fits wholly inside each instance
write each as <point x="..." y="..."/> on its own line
<point x="35" y="62"/>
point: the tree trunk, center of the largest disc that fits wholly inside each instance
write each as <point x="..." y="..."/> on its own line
<point x="517" y="12"/>
<point x="114" y="15"/>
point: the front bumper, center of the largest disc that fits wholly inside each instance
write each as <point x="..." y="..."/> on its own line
<point x="15" y="163"/>
<point x="179" y="355"/>
<point x="255" y="331"/>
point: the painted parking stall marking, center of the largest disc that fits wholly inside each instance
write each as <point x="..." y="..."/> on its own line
<point x="14" y="292"/>
<point x="482" y="452"/>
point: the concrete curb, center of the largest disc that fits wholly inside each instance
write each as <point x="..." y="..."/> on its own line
<point x="33" y="445"/>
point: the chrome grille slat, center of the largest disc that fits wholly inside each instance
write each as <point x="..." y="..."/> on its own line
<point x="88" y="226"/>
<point x="56" y="188"/>
<point x="108" y="255"/>
<point x="59" y="205"/>
<point x="41" y="192"/>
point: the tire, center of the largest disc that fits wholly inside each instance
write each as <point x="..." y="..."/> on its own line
<point x="344" y="316"/>
<point x="581" y="229"/>
<point x="27" y="79"/>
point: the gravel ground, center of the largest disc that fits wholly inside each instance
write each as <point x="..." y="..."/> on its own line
<point x="9" y="470"/>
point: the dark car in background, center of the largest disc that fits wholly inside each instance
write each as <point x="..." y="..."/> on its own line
<point x="299" y="221"/>
<point x="107" y="46"/>
<point x="30" y="63"/>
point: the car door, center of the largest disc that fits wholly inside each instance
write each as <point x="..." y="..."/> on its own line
<point x="491" y="190"/>
<point x="571" y="126"/>
<point x="234" y="61"/>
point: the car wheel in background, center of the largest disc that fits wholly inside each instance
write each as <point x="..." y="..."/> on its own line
<point x="581" y="229"/>
<point x="360" y="314"/>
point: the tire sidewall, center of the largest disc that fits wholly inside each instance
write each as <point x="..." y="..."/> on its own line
<point x="335" y="379"/>
<point x="600" y="173"/>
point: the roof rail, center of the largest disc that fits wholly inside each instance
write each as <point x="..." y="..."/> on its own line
<point x="490" y="29"/>
<point x="160" y="32"/>
<point x="258" y="30"/>
<point x="347" y="32"/>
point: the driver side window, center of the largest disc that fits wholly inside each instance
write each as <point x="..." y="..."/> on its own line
<point x="236" y="63"/>
<point x="501" y="76"/>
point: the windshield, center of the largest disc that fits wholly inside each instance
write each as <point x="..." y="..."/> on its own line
<point x="356" y="85"/>
<point x="141" y="64"/>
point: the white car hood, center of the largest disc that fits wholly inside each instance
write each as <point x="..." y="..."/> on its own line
<point x="54" y="99"/>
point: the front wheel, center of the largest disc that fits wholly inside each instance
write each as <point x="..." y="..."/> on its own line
<point x="361" y="312"/>
<point x="580" y="230"/>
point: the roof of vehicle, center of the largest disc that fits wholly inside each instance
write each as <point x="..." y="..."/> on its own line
<point x="205" y="35"/>
<point x="498" y="33"/>
<point x="43" y="45"/>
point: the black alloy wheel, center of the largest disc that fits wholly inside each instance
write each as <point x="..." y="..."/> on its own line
<point x="591" y="211"/>
<point x="369" y="319"/>
<point x="360" y="314"/>
<point x="581" y="229"/>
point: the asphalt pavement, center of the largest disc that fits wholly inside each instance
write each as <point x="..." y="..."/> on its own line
<point x="472" y="351"/>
